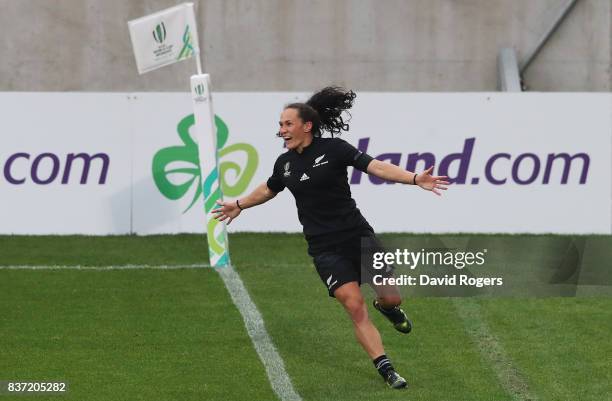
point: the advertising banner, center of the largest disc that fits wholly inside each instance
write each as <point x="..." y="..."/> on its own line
<point x="100" y="163"/>
<point x="65" y="163"/>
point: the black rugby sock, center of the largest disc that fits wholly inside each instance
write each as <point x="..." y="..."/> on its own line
<point x="383" y="365"/>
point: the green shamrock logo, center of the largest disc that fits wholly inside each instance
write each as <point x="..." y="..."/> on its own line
<point x="188" y="154"/>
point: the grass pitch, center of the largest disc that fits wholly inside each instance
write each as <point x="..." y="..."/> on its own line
<point x="175" y="335"/>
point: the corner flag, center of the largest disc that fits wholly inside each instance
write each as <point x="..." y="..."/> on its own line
<point x="164" y="38"/>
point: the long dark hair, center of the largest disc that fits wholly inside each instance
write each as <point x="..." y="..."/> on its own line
<point x="324" y="109"/>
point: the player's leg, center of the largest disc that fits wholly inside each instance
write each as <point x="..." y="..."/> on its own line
<point x="341" y="279"/>
<point x="349" y="295"/>
<point x="388" y="298"/>
<point x="351" y="298"/>
<point x="387" y="302"/>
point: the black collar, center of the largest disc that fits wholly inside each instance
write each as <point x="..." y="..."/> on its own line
<point x="308" y="149"/>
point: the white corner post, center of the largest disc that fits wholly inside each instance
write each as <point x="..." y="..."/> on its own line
<point x="164" y="38"/>
<point x="206" y="135"/>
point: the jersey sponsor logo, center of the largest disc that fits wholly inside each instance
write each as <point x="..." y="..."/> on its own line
<point x="304" y="177"/>
<point x="287" y="172"/>
<point x="329" y="283"/>
<point x="318" y="162"/>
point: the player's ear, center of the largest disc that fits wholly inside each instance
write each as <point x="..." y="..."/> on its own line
<point x="308" y="126"/>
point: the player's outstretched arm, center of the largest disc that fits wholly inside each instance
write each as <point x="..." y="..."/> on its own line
<point x="230" y="210"/>
<point x="425" y="180"/>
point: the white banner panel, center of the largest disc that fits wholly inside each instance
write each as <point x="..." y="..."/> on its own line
<point x="168" y="201"/>
<point x="525" y="162"/>
<point x="507" y="152"/>
<point x="66" y="163"/>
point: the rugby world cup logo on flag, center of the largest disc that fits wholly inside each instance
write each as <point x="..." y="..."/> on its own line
<point x="163" y="50"/>
<point x="200" y="93"/>
<point x="164" y="37"/>
<point x="159" y="33"/>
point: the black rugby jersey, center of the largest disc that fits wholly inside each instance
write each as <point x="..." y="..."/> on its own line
<point x="318" y="180"/>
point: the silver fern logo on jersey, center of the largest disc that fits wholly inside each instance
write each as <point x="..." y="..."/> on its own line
<point x="318" y="162"/>
<point x="287" y="171"/>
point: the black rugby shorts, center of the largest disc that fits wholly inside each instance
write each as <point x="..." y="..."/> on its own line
<point x="348" y="261"/>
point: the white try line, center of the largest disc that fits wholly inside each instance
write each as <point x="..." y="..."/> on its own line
<point x="113" y="267"/>
<point x="131" y="266"/>
<point x="253" y="321"/>
<point x="272" y="361"/>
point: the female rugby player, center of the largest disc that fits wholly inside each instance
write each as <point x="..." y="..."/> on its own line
<point x="315" y="171"/>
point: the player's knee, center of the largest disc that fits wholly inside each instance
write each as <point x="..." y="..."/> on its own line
<point x="390" y="301"/>
<point x="356" y="309"/>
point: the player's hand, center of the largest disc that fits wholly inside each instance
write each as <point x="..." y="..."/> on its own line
<point x="433" y="183"/>
<point x="226" y="211"/>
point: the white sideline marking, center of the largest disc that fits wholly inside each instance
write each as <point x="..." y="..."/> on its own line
<point x="492" y="351"/>
<point x="129" y="266"/>
<point x="117" y="267"/>
<point x="272" y="361"/>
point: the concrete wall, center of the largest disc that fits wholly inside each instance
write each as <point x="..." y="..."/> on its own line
<point x="272" y="45"/>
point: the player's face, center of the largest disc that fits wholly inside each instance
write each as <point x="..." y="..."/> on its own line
<point x="294" y="131"/>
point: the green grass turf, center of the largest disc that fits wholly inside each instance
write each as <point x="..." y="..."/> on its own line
<point x="325" y="362"/>
<point x="562" y="345"/>
<point x="127" y="335"/>
<point x="174" y="334"/>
